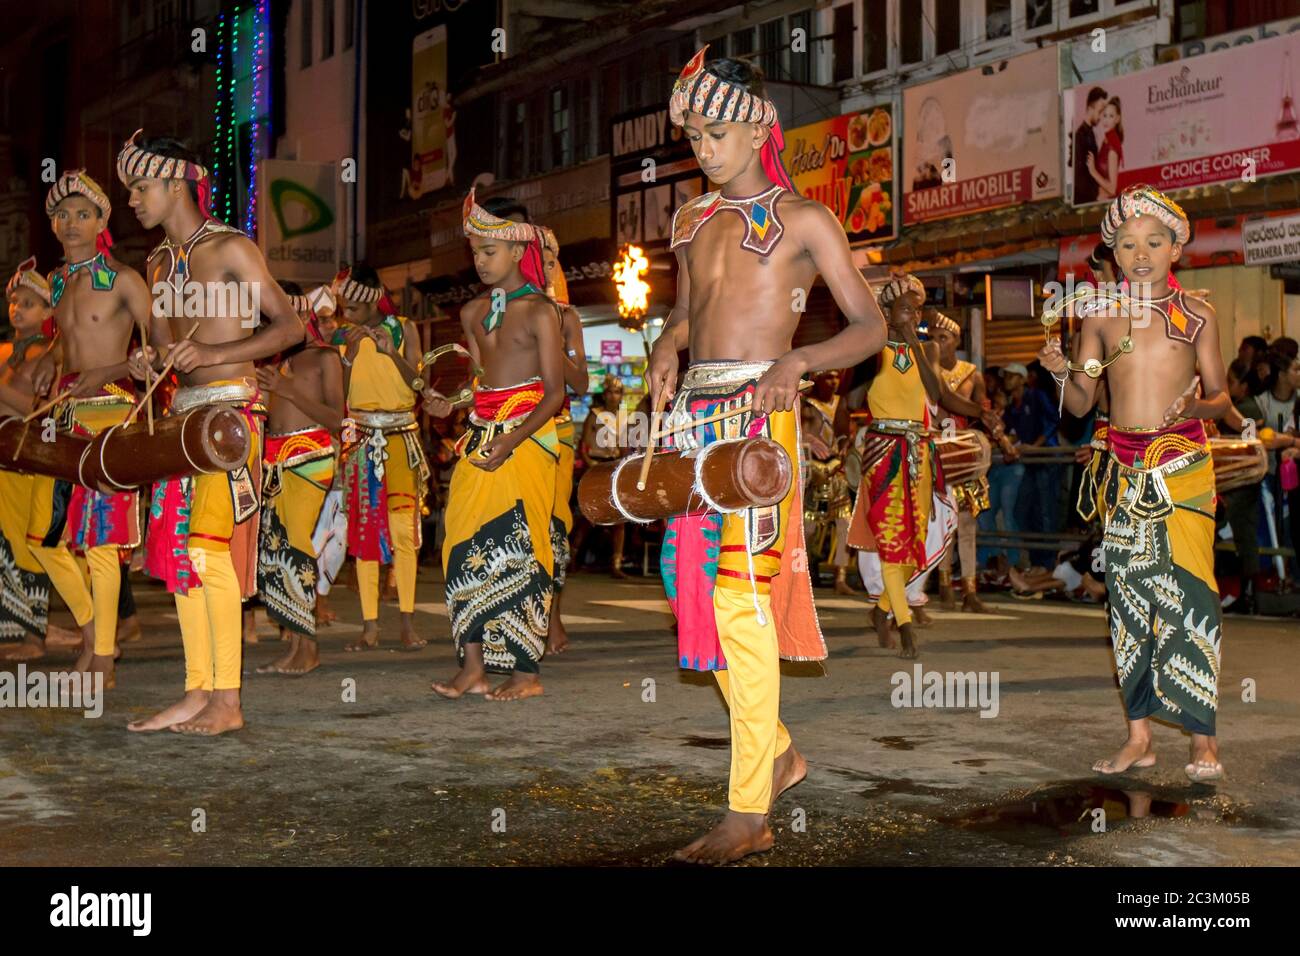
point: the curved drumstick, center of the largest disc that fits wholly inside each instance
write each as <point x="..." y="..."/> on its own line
<point x="162" y="374"/>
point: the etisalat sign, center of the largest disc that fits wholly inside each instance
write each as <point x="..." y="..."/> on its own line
<point x="299" y="220"/>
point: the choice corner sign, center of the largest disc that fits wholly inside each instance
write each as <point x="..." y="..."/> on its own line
<point x="300" y="216"/>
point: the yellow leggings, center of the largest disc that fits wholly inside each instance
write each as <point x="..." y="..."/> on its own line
<point x="895" y="597"/>
<point x="753" y="700"/>
<point x="211" y="615"/>
<point x="403" y="518"/>
<point x="58" y="561"/>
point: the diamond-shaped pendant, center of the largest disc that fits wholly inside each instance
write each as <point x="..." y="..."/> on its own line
<point x="492" y="320"/>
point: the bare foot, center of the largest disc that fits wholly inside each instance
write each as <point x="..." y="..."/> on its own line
<point x="305" y="660"/>
<point x="517" y="687"/>
<point x="842" y="585"/>
<point x="278" y="665"/>
<point x="1204" y="764"/>
<point x="880" y="621"/>
<point x="948" y="597"/>
<point x="29" y="649"/>
<point x="737" y="836"/>
<point x="368" y="640"/>
<point x="185" y="708"/>
<point x="325" y="615"/>
<point x="1136" y="752"/>
<point x="221" y="714"/>
<point x="921" y="617"/>
<point x="128" y="629"/>
<point x="467" y="681"/>
<point x="250" y="627"/>
<point x="103" y="664"/>
<point x="557" y="638"/>
<point x="56" y="636"/>
<point x="788" y="771"/>
<point x="410" y="641"/>
<point x="618" y="573"/>
<point x="907" y="650"/>
<point x="971" y="604"/>
<point x="85" y="657"/>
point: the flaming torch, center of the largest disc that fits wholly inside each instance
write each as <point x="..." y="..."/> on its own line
<point x="633" y="291"/>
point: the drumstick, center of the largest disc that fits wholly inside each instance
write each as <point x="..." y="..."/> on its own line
<point x="144" y="345"/>
<point x="37" y="414"/>
<point x="655" y="435"/>
<point x="162" y="374"/>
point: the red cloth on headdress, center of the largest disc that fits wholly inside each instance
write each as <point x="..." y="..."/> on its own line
<point x="770" y="155"/>
<point x="531" y="264"/>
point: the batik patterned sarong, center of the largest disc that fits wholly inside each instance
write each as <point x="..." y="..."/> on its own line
<point x="760" y="549"/>
<point x="497" y="555"/>
<point x="900" y="476"/>
<point x="298" y="468"/>
<point x="24" y="586"/>
<point x="1158" y="503"/>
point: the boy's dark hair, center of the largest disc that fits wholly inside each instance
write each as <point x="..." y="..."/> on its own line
<point x="1102" y="253"/>
<point x="365" y="274"/>
<point x="738" y="73"/>
<point x="506" y="207"/>
<point x="1239" y="370"/>
<point x="1256" y="342"/>
<point x="1287" y="347"/>
<point x="174" y="149"/>
<point x="1095" y="94"/>
<point x="290" y="287"/>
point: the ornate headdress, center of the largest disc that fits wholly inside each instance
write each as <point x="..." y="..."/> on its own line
<point x="134" y="162"/>
<point x="346" y="287"/>
<point x="897" y="287"/>
<point x="299" y="303"/>
<point x="75" y="182"/>
<point x="321" y="300"/>
<point x="557" y="287"/>
<point x="477" y="221"/>
<point x="27" y="277"/>
<point x="1144" y="200"/>
<point x="941" y="321"/>
<point x="698" y="91"/>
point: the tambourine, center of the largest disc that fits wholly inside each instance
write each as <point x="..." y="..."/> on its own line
<point x="450" y="371"/>
<point x="1093" y="367"/>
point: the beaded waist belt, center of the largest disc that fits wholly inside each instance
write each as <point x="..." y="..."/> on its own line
<point x="384" y="421"/>
<point x="702" y="374"/>
<point x="190" y="397"/>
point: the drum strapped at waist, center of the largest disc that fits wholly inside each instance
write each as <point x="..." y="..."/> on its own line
<point x="190" y="397"/>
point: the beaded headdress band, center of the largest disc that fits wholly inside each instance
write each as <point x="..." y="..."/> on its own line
<point x="1144" y="201"/>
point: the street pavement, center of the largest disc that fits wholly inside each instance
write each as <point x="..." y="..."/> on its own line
<point x="625" y="757"/>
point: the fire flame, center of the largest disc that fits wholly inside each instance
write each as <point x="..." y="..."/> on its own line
<point x="633" y="291"/>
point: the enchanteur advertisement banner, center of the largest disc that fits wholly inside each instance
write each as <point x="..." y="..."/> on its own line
<point x="1214" y="118"/>
<point x="982" y="138"/>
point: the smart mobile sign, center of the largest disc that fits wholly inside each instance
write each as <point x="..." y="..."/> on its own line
<point x="982" y="139"/>
<point x="299" y="221"/>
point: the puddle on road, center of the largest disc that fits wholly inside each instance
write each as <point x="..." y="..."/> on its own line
<point x="711" y="743"/>
<point x="895" y="743"/>
<point x="1068" y="811"/>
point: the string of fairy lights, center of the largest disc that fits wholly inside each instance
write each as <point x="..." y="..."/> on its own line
<point x="238" y="29"/>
